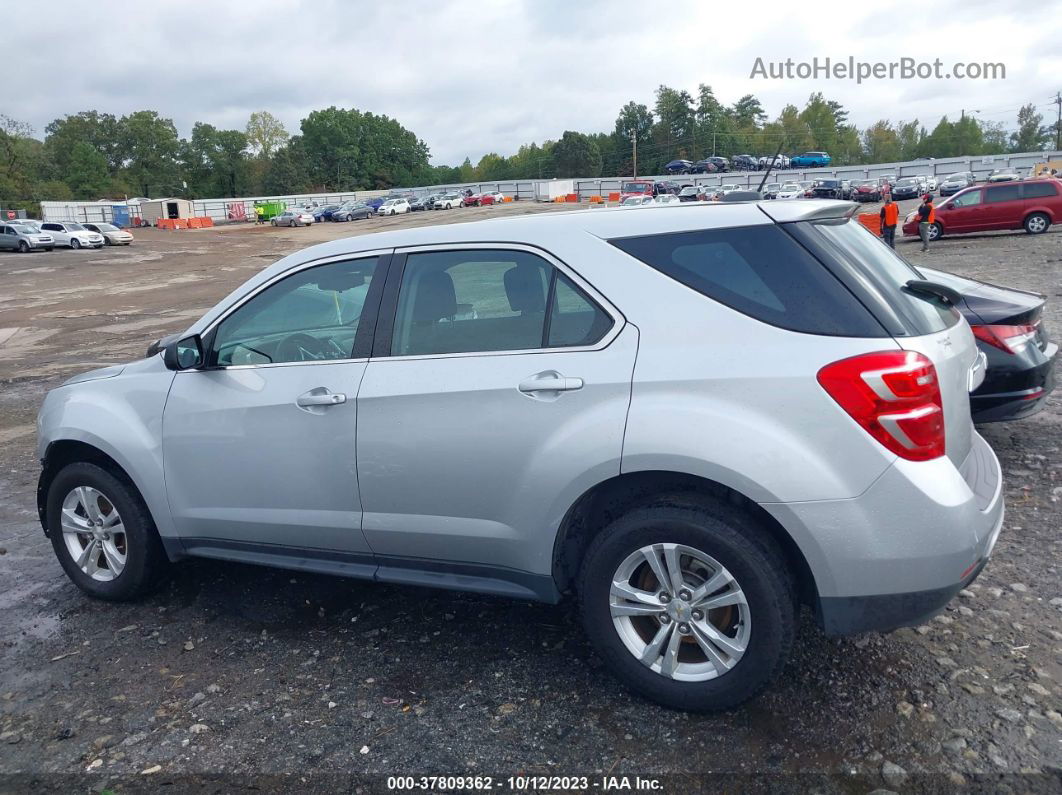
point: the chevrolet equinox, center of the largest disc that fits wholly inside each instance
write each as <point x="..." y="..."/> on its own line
<point x="692" y="418"/>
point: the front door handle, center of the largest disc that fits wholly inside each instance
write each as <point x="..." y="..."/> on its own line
<point x="319" y="397"/>
<point x="549" y="381"/>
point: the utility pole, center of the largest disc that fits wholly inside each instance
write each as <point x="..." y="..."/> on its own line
<point x="1058" y="124"/>
<point x="634" y="143"/>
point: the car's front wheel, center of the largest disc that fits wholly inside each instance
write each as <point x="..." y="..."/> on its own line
<point x="23" y="247"/>
<point x="103" y="534"/>
<point x="1037" y="223"/>
<point x="75" y="243"/>
<point x="689" y="603"/>
<point x="936" y="231"/>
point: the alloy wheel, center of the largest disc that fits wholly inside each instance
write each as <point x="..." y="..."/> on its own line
<point x="94" y="534"/>
<point x="680" y="612"/>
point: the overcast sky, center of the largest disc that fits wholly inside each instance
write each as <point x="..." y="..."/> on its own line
<point x="472" y="76"/>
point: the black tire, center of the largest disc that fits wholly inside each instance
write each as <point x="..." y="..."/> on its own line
<point x="75" y="243"/>
<point x="23" y="247"/>
<point x="1037" y="223"/>
<point x="146" y="562"/>
<point x="107" y="242"/>
<point x="49" y="248"/>
<point x="936" y="231"/>
<point x="273" y="222"/>
<point x="734" y="539"/>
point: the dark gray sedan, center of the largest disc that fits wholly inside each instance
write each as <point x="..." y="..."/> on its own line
<point x="352" y="211"/>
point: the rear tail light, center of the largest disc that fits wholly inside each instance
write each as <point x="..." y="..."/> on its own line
<point x="1011" y="339"/>
<point x="895" y="397"/>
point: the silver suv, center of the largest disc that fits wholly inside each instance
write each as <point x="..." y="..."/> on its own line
<point x="694" y="418"/>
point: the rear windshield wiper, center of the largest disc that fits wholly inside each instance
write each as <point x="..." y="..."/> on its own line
<point x="935" y="289"/>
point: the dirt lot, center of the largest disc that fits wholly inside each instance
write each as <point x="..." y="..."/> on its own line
<point x="230" y="674"/>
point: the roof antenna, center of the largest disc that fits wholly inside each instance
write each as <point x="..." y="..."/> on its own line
<point x="770" y="166"/>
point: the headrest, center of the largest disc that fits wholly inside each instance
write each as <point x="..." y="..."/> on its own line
<point x="524" y="288"/>
<point x="435" y="297"/>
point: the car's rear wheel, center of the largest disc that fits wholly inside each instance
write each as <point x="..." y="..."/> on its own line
<point x="23" y="247"/>
<point x="75" y="243"/>
<point x="689" y="603"/>
<point x="1037" y="223"/>
<point x="936" y="231"/>
<point x="103" y="534"/>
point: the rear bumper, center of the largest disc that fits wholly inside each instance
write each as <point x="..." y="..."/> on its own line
<point x="1017" y="393"/>
<point x="897" y="553"/>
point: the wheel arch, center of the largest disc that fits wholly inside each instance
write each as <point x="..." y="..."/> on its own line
<point x="63" y="452"/>
<point x="597" y="507"/>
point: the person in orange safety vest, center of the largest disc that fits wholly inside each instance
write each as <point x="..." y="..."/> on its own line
<point x="890" y="216"/>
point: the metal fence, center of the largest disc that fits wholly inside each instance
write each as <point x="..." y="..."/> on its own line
<point x="237" y="209"/>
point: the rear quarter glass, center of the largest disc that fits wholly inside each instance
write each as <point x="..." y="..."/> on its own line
<point x="761" y="272"/>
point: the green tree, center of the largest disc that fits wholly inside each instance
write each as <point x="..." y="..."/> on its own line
<point x="86" y="172"/>
<point x="152" y="147"/>
<point x="1031" y="135"/>
<point x="747" y="112"/>
<point x="575" y="155"/>
<point x="673" y="133"/>
<point x="493" y="167"/>
<point x="288" y="171"/>
<point x="102" y="131"/>
<point x="910" y="135"/>
<point x="993" y="137"/>
<point x="265" y="133"/>
<point x="880" y="143"/>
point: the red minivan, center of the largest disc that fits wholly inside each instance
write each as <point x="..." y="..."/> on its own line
<point x="1032" y="205"/>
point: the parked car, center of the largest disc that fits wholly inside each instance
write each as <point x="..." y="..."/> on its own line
<point x="832" y="461"/>
<point x="1031" y="205"/>
<point x="639" y="200"/>
<point x="448" y="201"/>
<point x="721" y="163"/>
<point x="351" y="211"/>
<point x="691" y="193"/>
<point x="953" y="183"/>
<point x="781" y="162"/>
<point x="111" y="234"/>
<point x="808" y="186"/>
<point x="72" y="234"/>
<point x="375" y="203"/>
<point x="725" y="189"/>
<point x="470" y="200"/>
<point x="867" y="190"/>
<point x="23" y="238"/>
<point x="394" y="207"/>
<point x="417" y="203"/>
<point x="496" y="197"/>
<point x="667" y="198"/>
<point x="679" y="167"/>
<point x="1004" y="175"/>
<point x="322" y="213"/>
<point x="790" y="190"/>
<point x="705" y="166"/>
<point x="1010" y="331"/>
<point x="770" y="190"/>
<point x="666" y="186"/>
<point x="908" y="188"/>
<point x="810" y="160"/>
<point x="828" y="189"/>
<point x="745" y="163"/>
<point x="292" y="217"/>
<point x="930" y="182"/>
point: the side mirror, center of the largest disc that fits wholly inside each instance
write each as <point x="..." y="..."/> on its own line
<point x="184" y="354"/>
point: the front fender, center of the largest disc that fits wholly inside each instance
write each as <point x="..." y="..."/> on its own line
<point x="122" y="418"/>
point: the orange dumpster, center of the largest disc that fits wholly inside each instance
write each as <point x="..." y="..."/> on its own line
<point x="871" y="221"/>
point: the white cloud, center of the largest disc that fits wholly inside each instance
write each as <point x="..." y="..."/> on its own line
<point x="472" y="77"/>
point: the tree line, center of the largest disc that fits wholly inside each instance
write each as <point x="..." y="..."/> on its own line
<point x="92" y="155"/>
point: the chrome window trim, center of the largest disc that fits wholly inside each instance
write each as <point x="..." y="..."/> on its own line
<point x="617" y="317"/>
<point x="376" y="252"/>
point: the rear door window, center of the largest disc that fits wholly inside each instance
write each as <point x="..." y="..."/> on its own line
<point x="1004" y="193"/>
<point x="761" y="272"/>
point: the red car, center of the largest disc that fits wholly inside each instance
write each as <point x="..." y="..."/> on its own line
<point x="471" y="201"/>
<point x="636" y="187"/>
<point x="1032" y="205"/>
<point x="867" y="191"/>
<point x="486" y="199"/>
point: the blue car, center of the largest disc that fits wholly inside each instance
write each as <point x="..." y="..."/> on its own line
<point x="810" y="160"/>
<point x="679" y="167"/>
<point x="374" y="204"/>
<point x="324" y="213"/>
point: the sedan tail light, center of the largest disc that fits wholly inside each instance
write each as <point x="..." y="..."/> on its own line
<point x="894" y="396"/>
<point x="1011" y="339"/>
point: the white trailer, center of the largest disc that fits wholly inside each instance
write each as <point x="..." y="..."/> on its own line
<point x="548" y="190"/>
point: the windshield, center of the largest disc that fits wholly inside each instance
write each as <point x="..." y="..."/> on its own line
<point x="829" y="183"/>
<point x="907" y="181"/>
<point x="107" y="227"/>
<point x="791" y="186"/>
<point x="773" y="185"/>
<point x="868" y="184"/>
<point x="636" y="187"/>
<point x="1004" y="171"/>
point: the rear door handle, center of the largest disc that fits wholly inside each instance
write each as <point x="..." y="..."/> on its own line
<point x="319" y="397"/>
<point x="549" y="381"/>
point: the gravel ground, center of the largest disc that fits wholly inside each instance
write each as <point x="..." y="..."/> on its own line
<point x="233" y="677"/>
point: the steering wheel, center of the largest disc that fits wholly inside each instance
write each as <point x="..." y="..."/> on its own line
<point x="300" y="347"/>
